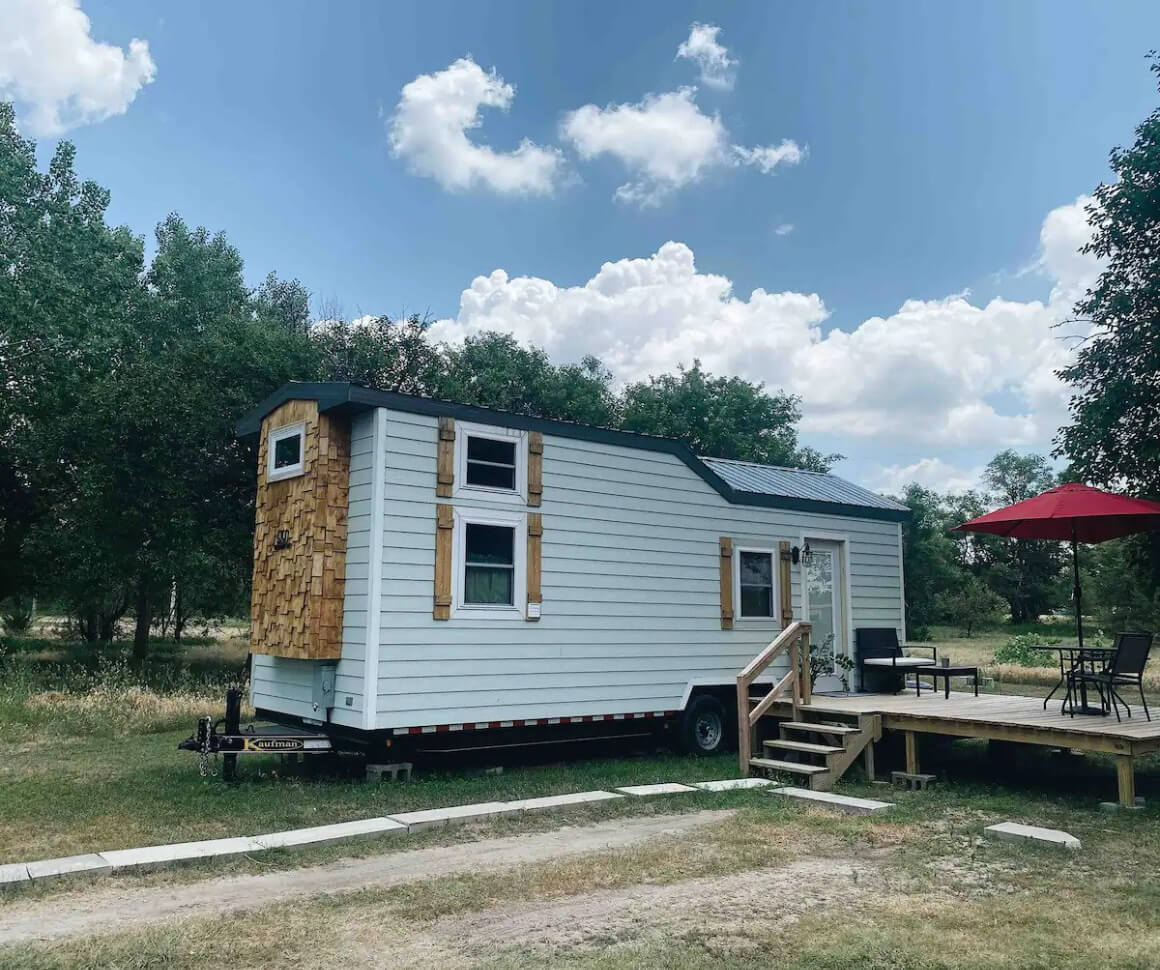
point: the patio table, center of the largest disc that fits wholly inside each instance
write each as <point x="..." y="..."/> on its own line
<point x="1076" y="656"/>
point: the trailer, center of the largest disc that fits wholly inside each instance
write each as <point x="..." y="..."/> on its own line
<point x="432" y="575"/>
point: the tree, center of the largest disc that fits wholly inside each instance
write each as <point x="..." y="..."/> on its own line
<point x="493" y="370"/>
<point x="721" y="417"/>
<point x="969" y="605"/>
<point x="1114" y="435"/>
<point x="928" y="556"/>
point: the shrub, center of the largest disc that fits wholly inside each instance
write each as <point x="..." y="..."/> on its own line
<point x="970" y="605"/>
<point x="1020" y="650"/>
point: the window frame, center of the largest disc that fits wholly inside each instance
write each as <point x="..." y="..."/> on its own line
<point x="517" y="495"/>
<point x="280" y="434"/>
<point x="774" y="612"/>
<point x="518" y="521"/>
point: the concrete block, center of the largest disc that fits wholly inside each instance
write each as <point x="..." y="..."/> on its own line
<point x="367" y="828"/>
<point x="732" y="784"/>
<point x="562" y="801"/>
<point x="13" y="874"/>
<point x="417" y="821"/>
<point x="396" y="772"/>
<point x="1014" y="832"/>
<point x="163" y="855"/>
<point x="71" y="865"/>
<point x="668" y="788"/>
<point x="842" y="803"/>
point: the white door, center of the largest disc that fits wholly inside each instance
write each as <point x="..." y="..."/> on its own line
<point x="824" y="593"/>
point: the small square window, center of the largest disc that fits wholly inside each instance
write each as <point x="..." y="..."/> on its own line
<point x="489" y="565"/>
<point x="285" y="446"/>
<point x="756" y="582"/>
<point x="491" y="463"/>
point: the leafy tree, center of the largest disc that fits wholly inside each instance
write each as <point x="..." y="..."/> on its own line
<point x="969" y="605"/>
<point x="379" y="353"/>
<point x="1114" y="435"/>
<point x="493" y="370"/>
<point x="721" y="417"/>
<point x="928" y="555"/>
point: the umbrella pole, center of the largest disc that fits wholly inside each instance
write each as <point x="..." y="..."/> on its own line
<point x="1075" y="574"/>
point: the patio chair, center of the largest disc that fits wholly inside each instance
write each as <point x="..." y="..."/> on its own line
<point x="878" y="648"/>
<point x="1130" y="654"/>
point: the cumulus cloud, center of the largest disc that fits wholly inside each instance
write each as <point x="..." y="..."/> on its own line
<point x="718" y="69"/>
<point x="784" y="229"/>
<point x="57" y="74"/>
<point x="945" y="373"/>
<point x="666" y="142"/>
<point x="430" y="126"/>
<point x="933" y="473"/>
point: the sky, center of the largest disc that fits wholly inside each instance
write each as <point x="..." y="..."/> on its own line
<point x="874" y="206"/>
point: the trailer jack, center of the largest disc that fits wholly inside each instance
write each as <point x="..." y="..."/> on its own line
<point x="226" y="737"/>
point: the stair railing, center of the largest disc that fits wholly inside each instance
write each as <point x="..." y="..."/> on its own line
<point x="796" y="639"/>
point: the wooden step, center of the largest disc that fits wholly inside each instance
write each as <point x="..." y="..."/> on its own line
<point x="772" y="764"/>
<point x="823" y="728"/>
<point x="804" y="746"/>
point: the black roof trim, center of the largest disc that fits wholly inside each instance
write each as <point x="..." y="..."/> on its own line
<point x="351" y="398"/>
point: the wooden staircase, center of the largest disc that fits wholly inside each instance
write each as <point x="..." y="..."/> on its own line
<point x="816" y="749"/>
<point x="816" y="745"/>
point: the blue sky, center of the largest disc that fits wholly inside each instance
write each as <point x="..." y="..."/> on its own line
<point x="933" y="142"/>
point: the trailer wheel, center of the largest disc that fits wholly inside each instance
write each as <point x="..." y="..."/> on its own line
<point x="703" y="725"/>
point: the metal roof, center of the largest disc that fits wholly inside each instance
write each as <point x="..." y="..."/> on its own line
<point x="796" y="483"/>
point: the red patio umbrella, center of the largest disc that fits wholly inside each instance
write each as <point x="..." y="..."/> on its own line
<point x="1073" y="512"/>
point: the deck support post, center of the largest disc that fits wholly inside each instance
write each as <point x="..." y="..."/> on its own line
<point x="1126" y="779"/>
<point x="868" y="759"/>
<point x="911" y="752"/>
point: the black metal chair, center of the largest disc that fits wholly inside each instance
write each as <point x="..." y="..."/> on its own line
<point x="879" y="649"/>
<point x="1125" y="668"/>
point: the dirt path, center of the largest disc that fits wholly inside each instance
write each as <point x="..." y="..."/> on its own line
<point x="105" y="911"/>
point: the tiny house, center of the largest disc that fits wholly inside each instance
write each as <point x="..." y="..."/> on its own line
<point x="424" y="569"/>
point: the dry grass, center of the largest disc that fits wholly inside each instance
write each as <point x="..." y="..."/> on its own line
<point x="124" y="710"/>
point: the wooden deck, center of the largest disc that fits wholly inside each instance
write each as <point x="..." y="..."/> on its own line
<point x="1000" y="717"/>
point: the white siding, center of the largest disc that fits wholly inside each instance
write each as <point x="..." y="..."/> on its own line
<point x="631" y="613"/>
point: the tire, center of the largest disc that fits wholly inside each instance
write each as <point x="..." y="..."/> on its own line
<point x="704" y="727"/>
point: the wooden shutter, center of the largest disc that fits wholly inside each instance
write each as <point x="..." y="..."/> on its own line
<point x="726" y="583"/>
<point x="784" y="589"/>
<point x="535" y="564"/>
<point x="535" y="468"/>
<point x="445" y="474"/>
<point x="444" y="527"/>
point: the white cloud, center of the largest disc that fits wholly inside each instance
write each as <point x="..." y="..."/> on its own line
<point x="430" y="125"/>
<point x="932" y="473"/>
<point x="716" y="66"/>
<point x="768" y="157"/>
<point x="945" y="373"/>
<point x="666" y="141"/>
<point x="57" y="74"/>
<point x="784" y="229"/>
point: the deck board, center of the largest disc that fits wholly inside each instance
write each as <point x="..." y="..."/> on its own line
<point x="999" y="716"/>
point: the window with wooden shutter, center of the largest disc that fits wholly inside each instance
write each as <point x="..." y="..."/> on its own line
<point x="726" y="548"/>
<point x="535" y="468"/>
<point x="535" y="565"/>
<point x="444" y="530"/>
<point x="445" y="472"/>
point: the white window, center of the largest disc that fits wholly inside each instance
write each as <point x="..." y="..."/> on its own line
<point x="284" y="450"/>
<point x="492" y="462"/>
<point x="755" y="585"/>
<point x="490" y="550"/>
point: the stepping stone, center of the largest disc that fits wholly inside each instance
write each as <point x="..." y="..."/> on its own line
<point x="731" y="784"/>
<point x="668" y="788"/>
<point x="843" y="803"/>
<point x="68" y="866"/>
<point x="13" y="874"/>
<point x="417" y="821"/>
<point x="562" y="801"/>
<point x="1014" y="832"/>
<point x="367" y="828"/>
<point x="163" y="855"/>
